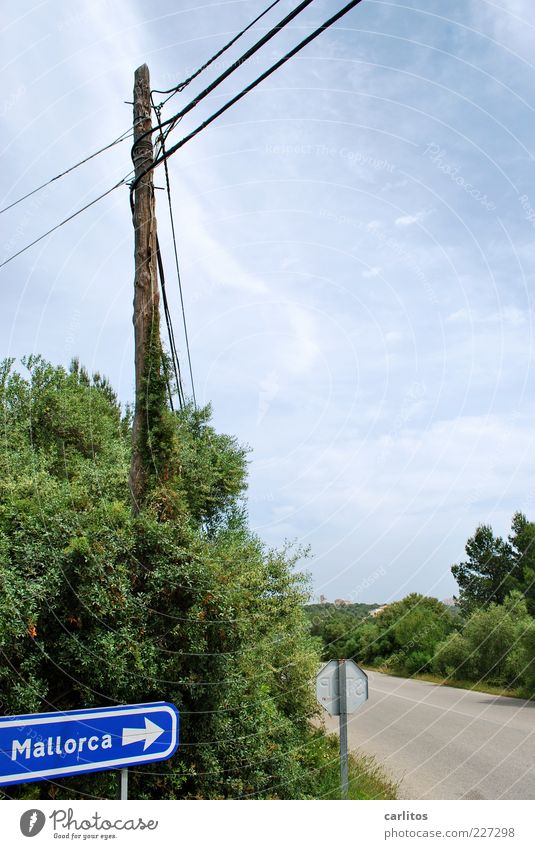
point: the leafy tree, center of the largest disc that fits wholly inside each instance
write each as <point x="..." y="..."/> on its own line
<point x="409" y="630"/>
<point x="525" y="663"/>
<point x="418" y="631"/>
<point x="402" y="637"/>
<point x="489" y="573"/>
<point x="181" y="602"/>
<point x="452" y="657"/>
<point x="335" y="626"/>
<point x="522" y="540"/>
<point x="491" y="646"/>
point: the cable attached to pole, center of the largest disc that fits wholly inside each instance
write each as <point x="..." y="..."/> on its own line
<point x="170" y="332"/>
<point x="171" y="122"/>
<point x="128" y="133"/>
<point x="181" y="86"/>
<point x="66" y="220"/>
<point x="177" y="265"/>
<point x="291" y="53"/>
<point x="121" y="138"/>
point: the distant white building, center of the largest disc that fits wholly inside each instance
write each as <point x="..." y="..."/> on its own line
<point x="378" y="610"/>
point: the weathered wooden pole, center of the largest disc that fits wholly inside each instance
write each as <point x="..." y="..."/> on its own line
<point x="146" y="297"/>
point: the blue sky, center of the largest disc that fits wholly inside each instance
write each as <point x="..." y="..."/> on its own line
<point x="356" y="248"/>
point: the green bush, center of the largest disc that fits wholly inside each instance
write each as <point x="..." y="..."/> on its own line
<point x="181" y="603"/>
<point x="493" y="646"/>
<point x="405" y="635"/>
<point x="525" y="659"/>
<point x="451" y="657"/>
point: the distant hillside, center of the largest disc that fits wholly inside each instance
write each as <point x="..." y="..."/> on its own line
<point x="334" y="624"/>
<point x="329" y="608"/>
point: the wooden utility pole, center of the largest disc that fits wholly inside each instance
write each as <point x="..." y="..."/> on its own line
<point x="146" y="297"/>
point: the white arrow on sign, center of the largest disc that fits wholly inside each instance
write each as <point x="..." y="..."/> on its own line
<point x="149" y="734"/>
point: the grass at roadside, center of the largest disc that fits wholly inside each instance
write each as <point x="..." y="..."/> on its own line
<point x="366" y="778"/>
<point x="478" y="686"/>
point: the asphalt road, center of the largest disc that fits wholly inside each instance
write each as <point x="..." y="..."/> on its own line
<point x="445" y="743"/>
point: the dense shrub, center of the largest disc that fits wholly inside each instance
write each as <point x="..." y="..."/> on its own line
<point x="404" y="636"/>
<point x="181" y="603"/>
<point x="494" y="645"/>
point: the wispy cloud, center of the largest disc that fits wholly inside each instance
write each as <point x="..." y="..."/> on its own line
<point x="368" y="350"/>
<point x="408" y="220"/>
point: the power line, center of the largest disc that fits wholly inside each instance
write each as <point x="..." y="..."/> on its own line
<point x="170" y="332"/>
<point x="328" y="23"/>
<point x="181" y="86"/>
<point x="177" y="265"/>
<point x="164" y="155"/>
<point x="128" y="133"/>
<point x="121" y="138"/>
<point x="66" y="220"/>
<point x="171" y="122"/>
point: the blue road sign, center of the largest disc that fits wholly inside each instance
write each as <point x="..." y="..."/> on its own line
<point x="49" y="745"/>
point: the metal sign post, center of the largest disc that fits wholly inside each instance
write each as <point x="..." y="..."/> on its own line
<point x="124" y="783"/>
<point x="341" y="688"/>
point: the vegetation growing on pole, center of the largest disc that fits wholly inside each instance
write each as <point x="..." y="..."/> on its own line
<point x="180" y="602"/>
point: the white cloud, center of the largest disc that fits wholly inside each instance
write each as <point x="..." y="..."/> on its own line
<point x="508" y="315"/>
<point x="304" y="348"/>
<point x="295" y="349"/>
<point x="374" y="271"/>
<point x="471" y="463"/>
<point x="509" y="22"/>
<point x="461" y="315"/>
<point x="408" y="220"/>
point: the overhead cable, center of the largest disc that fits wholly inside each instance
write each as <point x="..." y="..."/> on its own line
<point x="181" y="86"/>
<point x="328" y="23"/>
<point x="171" y="122"/>
<point x="170" y="332"/>
<point x="177" y="265"/>
<point x="121" y="138"/>
<point x="65" y="220"/>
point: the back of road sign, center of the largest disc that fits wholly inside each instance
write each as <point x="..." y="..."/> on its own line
<point x="41" y="746"/>
<point x="328" y="688"/>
